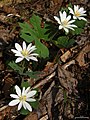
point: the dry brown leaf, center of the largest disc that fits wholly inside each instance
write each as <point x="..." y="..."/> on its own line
<point x="5" y="35"/>
<point x="57" y="2"/>
<point x="32" y="116"/>
<point x="48" y="98"/>
<point x="65" y="56"/>
<point x="44" y="117"/>
<point x="67" y="79"/>
<point x="8" y="82"/>
<point x="1" y="65"/>
<point x="81" y="56"/>
<point x="9" y="112"/>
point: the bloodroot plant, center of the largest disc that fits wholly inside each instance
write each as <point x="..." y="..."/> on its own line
<point x="70" y="23"/>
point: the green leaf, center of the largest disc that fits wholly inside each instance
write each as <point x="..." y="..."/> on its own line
<point x="27" y="38"/>
<point x="64" y="9"/>
<point x="25" y="27"/>
<point x="42" y="50"/>
<point x="80" y="23"/>
<point x="77" y="31"/>
<point x="65" y="42"/>
<point x="15" y="66"/>
<point x="36" y="22"/>
<point x="35" y="33"/>
<point x="32" y="74"/>
<point x="24" y="112"/>
<point x="34" y="104"/>
<point x="70" y="5"/>
<point x="70" y="43"/>
<point x="25" y="84"/>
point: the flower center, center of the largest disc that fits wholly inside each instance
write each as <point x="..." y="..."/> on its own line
<point x="77" y="13"/>
<point x="25" y="53"/>
<point x="65" y="23"/>
<point x="22" y="98"/>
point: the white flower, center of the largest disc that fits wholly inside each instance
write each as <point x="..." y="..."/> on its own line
<point x="78" y="13"/>
<point x="65" y="22"/>
<point x="22" y="98"/>
<point x="24" y="52"/>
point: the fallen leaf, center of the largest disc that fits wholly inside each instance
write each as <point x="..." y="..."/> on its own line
<point x="66" y="56"/>
<point x="81" y="56"/>
<point x="67" y="79"/>
<point x="44" y="117"/>
<point x="32" y="116"/>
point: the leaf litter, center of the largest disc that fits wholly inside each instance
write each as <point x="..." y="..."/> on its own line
<point x="64" y="87"/>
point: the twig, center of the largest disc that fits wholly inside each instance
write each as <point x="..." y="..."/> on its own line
<point x="44" y="81"/>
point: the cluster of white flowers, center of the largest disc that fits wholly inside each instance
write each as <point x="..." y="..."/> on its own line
<point x="65" y="21"/>
<point x="22" y="98"/>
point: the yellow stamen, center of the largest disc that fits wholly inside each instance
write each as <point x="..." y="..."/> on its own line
<point x="77" y="13"/>
<point x="25" y="53"/>
<point x="65" y="23"/>
<point x="22" y="98"/>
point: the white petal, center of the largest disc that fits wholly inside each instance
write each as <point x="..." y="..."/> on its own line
<point x="33" y="58"/>
<point x="60" y="27"/>
<point x="20" y="105"/>
<point x="27" y="90"/>
<point x="34" y="54"/>
<point x="64" y="16"/>
<point x="28" y="106"/>
<point x="31" y="100"/>
<point x="82" y="18"/>
<point x="14" y="96"/>
<point x="14" y="51"/>
<point x="18" y="47"/>
<point x="71" y="21"/>
<point x="31" y="93"/>
<point x="29" y="46"/>
<point x="74" y="17"/>
<point x="19" y="54"/>
<point x="14" y="102"/>
<point x="24" y="105"/>
<point x="69" y="27"/>
<point x="76" y="7"/>
<point x="23" y="91"/>
<point x="18" y="90"/>
<point x="83" y="12"/>
<point x="61" y="16"/>
<point x="68" y="18"/>
<point x="19" y="59"/>
<point x="73" y="25"/>
<point x="27" y="58"/>
<point x="32" y="49"/>
<point x="66" y="30"/>
<point x="24" y="45"/>
<point x="57" y="19"/>
<point x="71" y="11"/>
<point x="81" y="9"/>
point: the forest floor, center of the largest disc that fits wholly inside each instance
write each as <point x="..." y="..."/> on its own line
<point x="64" y="88"/>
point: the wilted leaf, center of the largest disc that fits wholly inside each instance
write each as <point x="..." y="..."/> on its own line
<point x="66" y="79"/>
<point x="32" y="116"/>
